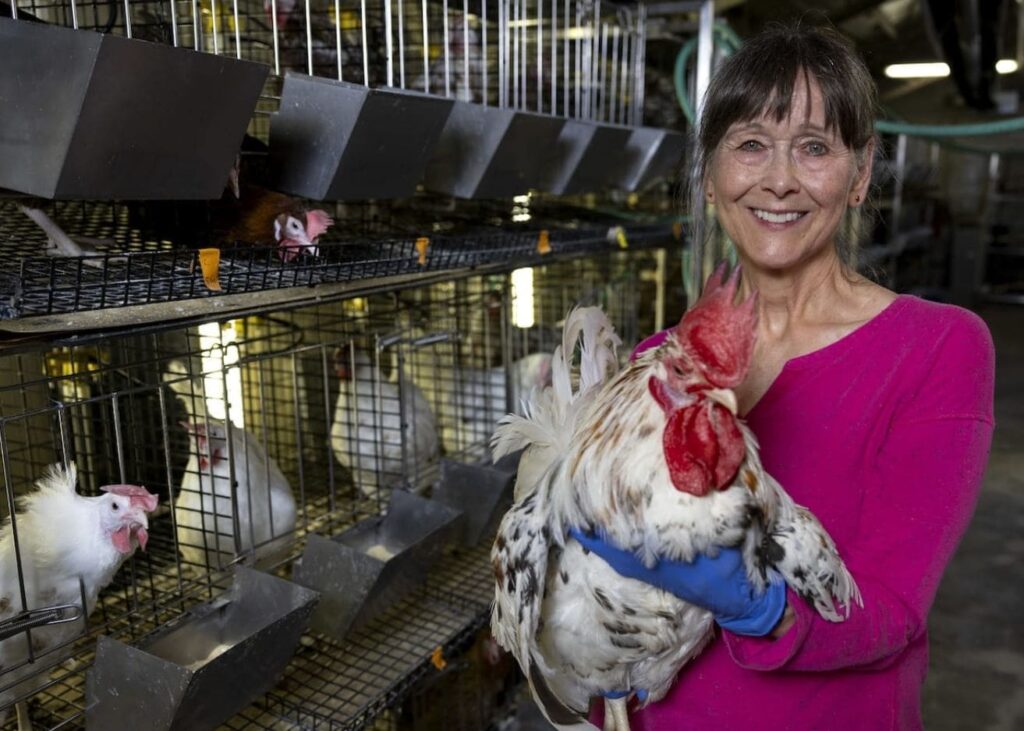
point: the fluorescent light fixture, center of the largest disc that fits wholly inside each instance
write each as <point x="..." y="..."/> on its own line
<point x="937" y="69"/>
<point x="917" y="70"/>
<point x="522" y="297"/>
<point x="220" y="352"/>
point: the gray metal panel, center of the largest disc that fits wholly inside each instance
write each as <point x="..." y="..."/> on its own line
<point x="602" y="158"/>
<point x="84" y="115"/>
<point x="204" y="669"/>
<point x="355" y="584"/>
<point x="482" y="492"/>
<point x="40" y="102"/>
<point x="570" y="147"/>
<point x="656" y="153"/>
<point x="336" y="140"/>
<point x="485" y="152"/>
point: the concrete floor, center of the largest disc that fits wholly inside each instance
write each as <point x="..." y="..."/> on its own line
<point x="976" y="679"/>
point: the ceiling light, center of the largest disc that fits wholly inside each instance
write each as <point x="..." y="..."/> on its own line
<point x="917" y="70"/>
<point x="937" y="69"/>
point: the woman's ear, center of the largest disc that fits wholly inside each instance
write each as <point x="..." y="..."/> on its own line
<point x="862" y="177"/>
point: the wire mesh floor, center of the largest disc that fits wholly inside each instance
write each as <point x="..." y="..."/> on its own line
<point x="128" y="268"/>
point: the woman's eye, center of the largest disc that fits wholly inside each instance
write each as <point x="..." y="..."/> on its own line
<point x="751" y="146"/>
<point x="816" y="149"/>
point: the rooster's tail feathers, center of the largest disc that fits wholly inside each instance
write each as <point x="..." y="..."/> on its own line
<point x="598" y="343"/>
<point x="516" y="432"/>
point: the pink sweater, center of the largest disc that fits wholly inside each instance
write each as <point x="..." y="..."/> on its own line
<point x="884" y="435"/>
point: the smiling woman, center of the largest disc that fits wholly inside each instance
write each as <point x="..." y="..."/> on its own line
<point x="873" y="410"/>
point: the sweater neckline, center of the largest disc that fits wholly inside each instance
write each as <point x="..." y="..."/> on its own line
<point x="820" y="357"/>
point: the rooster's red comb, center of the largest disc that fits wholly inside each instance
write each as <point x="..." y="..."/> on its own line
<point x="718" y="334"/>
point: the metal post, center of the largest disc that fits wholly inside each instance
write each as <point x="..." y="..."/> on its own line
<point x="273" y="28"/>
<point x="540" y="56"/>
<point x="238" y="31"/>
<point x="514" y="28"/>
<point x="554" y="56"/>
<point x="127" y="19"/>
<point x="897" y="188"/>
<point x="426" y="49"/>
<point x="616" y="34"/>
<point x="465" y="49"/>
<point x="444" y="33"/>
<point x="388" y="45"/>
<point x="704" y="48"/>
<point x="484" y="60"/>
<point x="401" y="44"/>
<point x="639" y="67"/>
<point x="337" y="35"/>
<point x="565" y="61"/>
<point x="309" y="38"/>
<point x="366" y="45"/>
<point x="213" y="25"/>
<point x="74" y="18"/>
<point x="603" y="82"/>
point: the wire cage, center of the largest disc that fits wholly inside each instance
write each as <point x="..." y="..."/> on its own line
<point x="256" y="431"/>
<point x="133" y="262"/>
<point x="578" y="58"/>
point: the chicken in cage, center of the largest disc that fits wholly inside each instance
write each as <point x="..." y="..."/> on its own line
<point x="219" y="442"/>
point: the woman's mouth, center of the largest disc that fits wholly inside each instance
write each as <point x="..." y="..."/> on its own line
<point x="778" y="217"/>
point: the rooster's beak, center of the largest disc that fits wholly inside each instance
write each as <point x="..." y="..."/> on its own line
<point x="724" y="396"/>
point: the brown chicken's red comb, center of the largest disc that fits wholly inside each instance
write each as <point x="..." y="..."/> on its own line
<point x="717" y="334"/>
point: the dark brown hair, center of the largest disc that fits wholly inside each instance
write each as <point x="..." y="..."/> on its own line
<point x="759" y="79"/>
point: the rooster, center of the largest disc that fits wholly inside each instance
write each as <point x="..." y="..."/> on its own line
<point x="384" y="431"/>
<point x="70" y="547"/>
<point x="654" y="458"/>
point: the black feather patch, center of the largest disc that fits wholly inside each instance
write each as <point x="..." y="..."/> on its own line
<point x="603" y="600"/>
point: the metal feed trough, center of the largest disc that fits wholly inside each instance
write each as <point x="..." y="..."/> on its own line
<point x="652" y="154"/>
<point x="365" y="569"/>
<point x="75" y="125"/>
<point x="489" y="152"/>
<point x="337" y="140"/>
<point x="583" y="156"/>
<point x="198" y="673"/>
<point x="483" y="492"/>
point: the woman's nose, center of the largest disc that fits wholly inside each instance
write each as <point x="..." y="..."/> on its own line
<point x="780" y="175"/>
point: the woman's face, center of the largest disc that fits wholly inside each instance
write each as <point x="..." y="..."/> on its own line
<point x="780" y="188"/>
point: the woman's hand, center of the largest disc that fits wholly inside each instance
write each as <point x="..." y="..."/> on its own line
<point x="718" y="583"/>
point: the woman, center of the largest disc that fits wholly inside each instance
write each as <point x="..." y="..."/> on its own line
<point x="874" y="410"/>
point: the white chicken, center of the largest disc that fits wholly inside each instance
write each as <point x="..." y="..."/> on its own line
<point x="654" y="458"/>
<point x="206" y="508"/>
<point x="384" y="431"/>
<point x="70" y="547"/>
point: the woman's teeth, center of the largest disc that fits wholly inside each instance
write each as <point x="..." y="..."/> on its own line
<point x="777" y="217"/>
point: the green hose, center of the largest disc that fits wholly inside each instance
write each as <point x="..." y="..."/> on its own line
<point x="727" y="38"/>
<point x="731" y="42"/>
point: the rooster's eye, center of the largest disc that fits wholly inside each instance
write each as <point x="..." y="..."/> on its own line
<point x="115" y="507"/>
<point x="678" y="371"/>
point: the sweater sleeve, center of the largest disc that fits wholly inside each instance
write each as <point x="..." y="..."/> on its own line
<point x="920" y="493"/>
